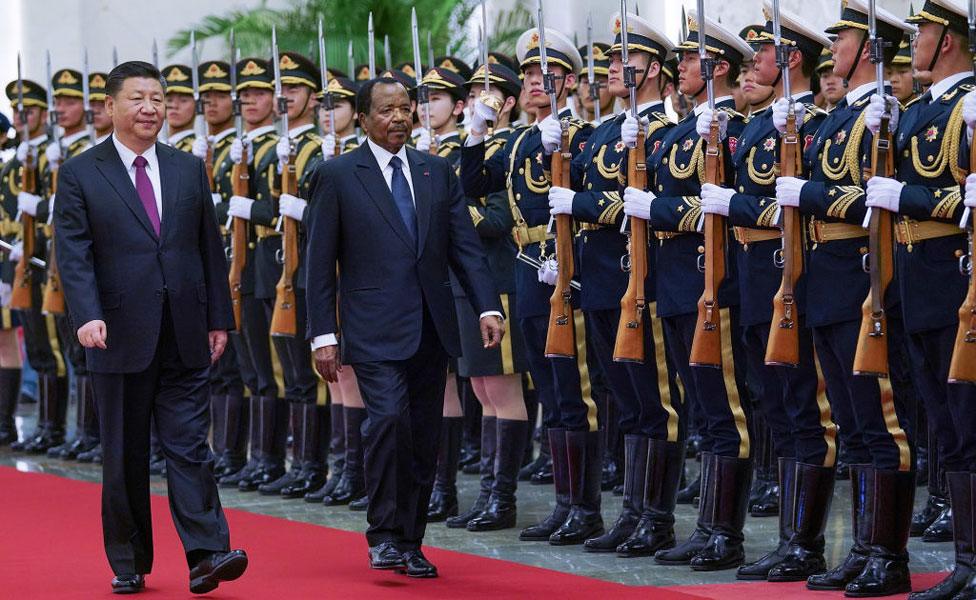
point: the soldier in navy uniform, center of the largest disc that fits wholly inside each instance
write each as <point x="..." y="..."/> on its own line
<point x="874" y="423"/>
<point x="927" y="200"/>
<point x="673" y="207"/>
<point x="584" y="94"/>
<point x="832" y="86"/>
<point x="798" y="419"/>
<point x="179" y="107"/>
<point x="562" y="384"/>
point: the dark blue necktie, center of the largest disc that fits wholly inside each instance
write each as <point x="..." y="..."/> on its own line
<point x="402" y="197"/>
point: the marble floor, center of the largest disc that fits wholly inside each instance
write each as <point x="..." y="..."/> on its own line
<point x="533" y="503"/>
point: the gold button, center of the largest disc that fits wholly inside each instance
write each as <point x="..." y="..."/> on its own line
<point x="522" y="171"/>
<point x="589" y="186"/>
<point x="863" y="250"/>
<point x="660" y="187"/>
<point x="518" y="196"/>
<point x="836" y="159"/>
<point x="959" y="253"/>
<point x="931" y="158"/>
<point x="764" y="166"/>
<point x="905" y="154"/>
<point x="664" y="160"/>
<point x="742" y="189"/>
<point x="701" y="249"/>
<point x="250" y="245"/>
<point x="259" y="196"/>
<point x="681" y="166"/>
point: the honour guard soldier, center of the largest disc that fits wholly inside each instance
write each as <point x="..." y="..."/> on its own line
<point x="832" y="86"/>
<point x="102" y="121"/>
<point x="179" y="107"/>
<point x="873" y="422"/>
<point x="900" y="74"/>
<point x="584" y="90"/>
<point x="562" y="384"/>
<point x="673" y="207"/>
<point x="456" y="65"/>
<point x="926" y="198"/>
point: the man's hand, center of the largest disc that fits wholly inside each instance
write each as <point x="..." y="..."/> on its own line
<point x="788" y="191"/>
<point x="630" y="128"/>
<point x="218" y="341"/>
<point x="237" y="150"/>
<point x="716" y="199"/>
<point x="17" y="252"/>
<point x="328" y="146"/>
<point x="200" y="147"/>
<point x="492" y="331"/>
<point x="27" y="203"/>
<point x="561" y="201"/>
<point x="23" y="149"/>
<point x="883" y="192"/>
<point x="240" y="207"/>
<point x="548" y="272"/>
<point x="781" y="109"/>
<point x="327" y="361"/>
<point x="93" y="334"/>
<point x="283" y="150"/>
<point x="422" y="144"/>
<point x="637" y="203"/>
<point x="551" y="131"/>
<point x="292" y="207"/>
<point x="875" y="110"/>
<point x="704" y="123"/>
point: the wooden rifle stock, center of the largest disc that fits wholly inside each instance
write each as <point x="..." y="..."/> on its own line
<point x="238" y="239"/>
<point x="706" y="348"/>
<point x="871" y="356"/>
<point x="20" y="297"/>
<point x="962" y="368"/>
<point x="629" y="345"/>
<point x="53" y="302"/>
<point x="284" y="319"/>
<point x="783" y="347"/>
<point x="561" y="335"/>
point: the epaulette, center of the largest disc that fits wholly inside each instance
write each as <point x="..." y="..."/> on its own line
<point x="662" y="117"/>
<point x="965" y="87"/>
<point x="862" y="102"/>
<point x="812" y="110"/>
<point x="734" y="114"/>
<point x="909" y="103"/>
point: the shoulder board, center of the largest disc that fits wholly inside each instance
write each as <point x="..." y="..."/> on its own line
<point x="862" y="102"/>
<point x="309" y="136"/>
<point x="732" y="112"/>
<point x="662" y="117"/>
<point x="910" y="102"/>
<point x="577" y="123"/>
<point x="262" y="147"/>
<point x="812" y="110"/>
<point x="965" y="87"/>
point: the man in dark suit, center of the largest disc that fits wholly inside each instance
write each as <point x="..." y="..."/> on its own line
<point x="144" y="276"/>
<point x="393" y="221"/>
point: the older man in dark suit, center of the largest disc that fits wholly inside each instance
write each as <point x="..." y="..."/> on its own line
<point x="144" y="276"/>
<point x="393" y="222"/>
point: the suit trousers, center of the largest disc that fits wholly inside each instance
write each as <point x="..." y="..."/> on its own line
<point x="176" y="398"/>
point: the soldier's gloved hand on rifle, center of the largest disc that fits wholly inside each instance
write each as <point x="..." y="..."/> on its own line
<point x="552" y="134"/>
<point x="637" y="203"/>
<point x="237" y="150"/>
<point x="561" y="201"/>
<point x="481" y="114"/>
<point x="216" y="199"/>
<point x="876" y="108"/>
<point x="716" y="199"/>
<point x="549" y="271"/>
<point x="27" y="203"/>
<point x="788" y="191"/>
<point x="328" y="146"/>
<point x="53" y="153"/>
<point x="200" y="146"/>
<point x="969" y="198"/>
<point x="422" y="143"/>
<point x="969" y="112"/>
<point x="17" y="252"/>
<point x="6" y="291"/>
<point x="704" y="123"/>
<point x="781" y="109"/>
<point x="23" y="149"/>
<point x="883" y="192"/>
<point x="292" y="207"/>
<point x="240" y="207"/>
<point x="283" y="150"/>
<point x="629" y="130"/>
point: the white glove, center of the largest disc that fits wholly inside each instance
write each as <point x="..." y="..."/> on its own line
<point x="788" y="191"/>
<point x="629" y="129"/>
<point x="240" y="207"/>
<point x="423" y="141"/>
<point x="200" y="146"/>
<point x="716" y="199"/>
<point x="637" y="203"/>
<point x="704" y="123"/>
<point x="883" y="192"/>
<point x="237" y="150"/>
<point x="552" y="134"/>
<point x="53" y="154"/>
<point x="561" y="201"/>
<point x="480" y="115"/>
<point x="216" y="199"/>
<point x="23" y="149"/>
<point x="328" y="146"/>
<point x="283" y="150"/>
<point x="968" y="112"/>
<point x="27" y="203"/>
<point x="970" y="196"/>
<point x="6" y="291"/>
<point x="291" y="206"/>
<point x="874" y="110"/>
<point x="549" y="271"/>
<point x="17" y="252"/>
<point x="781" y="109"/>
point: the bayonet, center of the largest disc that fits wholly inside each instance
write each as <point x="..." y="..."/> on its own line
<point x="351" y="60"/>
<point x="630" y="72"/>
<point x="548" y="79"/>
<point x="372" y="47"/>
<point x="707" y="63"/>
<point x="281" y="99"/>
<point x="484" y="43"/>
<point x="115" y="57"/>
<point x="155" y="54"/>
<point x="423" y="92"/>
<point x="387" y="60"/>
<point x="234" y="98"/>
<point x="52" y="113"/>
<point x="591" y="70"/>
<point x="199" y="127"/>
<point x="328" y="102"/>
<point x="86" y="99"/>
<point x="430" y="52"/>
<point x="916" y="84"/>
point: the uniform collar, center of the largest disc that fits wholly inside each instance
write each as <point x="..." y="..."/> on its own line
<point x="223" y="134"/>
<point x="297" y="131"/>
<point x="180" y="135"/>
<point x="256" y="133"/>
<point x="450" y="136"/>
<point x="860" y="91"/>
<point x="37" y="141"/>
<point x="351" y="136"/>
<point x="74" y="137"/>
<point x="942" y="86"/>
<point x="700" y="107"/>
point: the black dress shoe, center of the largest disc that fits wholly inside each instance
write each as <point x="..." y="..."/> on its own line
<point x="940" y="529"/>
<point x="921" y="520"/>
<point x="128" y="584"/>
<point x="219" y="566"/>
<point x="359" y="504"/>
<point x="417" y="565"/>
<point x="386" y="556"/>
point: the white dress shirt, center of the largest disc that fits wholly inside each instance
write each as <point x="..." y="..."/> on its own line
<point x="942" y="86"/>
<point x="152" y="169"/>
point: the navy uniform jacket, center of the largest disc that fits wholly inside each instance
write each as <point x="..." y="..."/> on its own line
<point x="754" y="206"/>
<point x="932" y="158"/>
<point x="597" y="173"/>
<point x="676" y="170"/>
<point x="492" y="218"/>
<point x="519" y="168"/>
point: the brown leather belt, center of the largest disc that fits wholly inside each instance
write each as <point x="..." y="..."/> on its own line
<point x="748" y="235"/>
<point x="264" y="231"/>
<point x="908" y="231"/>
<point x="821" y="231"/>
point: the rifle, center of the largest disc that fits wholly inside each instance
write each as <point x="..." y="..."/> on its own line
<point x="423" y="90"/>
<point x="486" y="97"/>
<point x="783" y="346"/>
<point x="629" y="346"/>
<point x="284" y="319"/>
<point x="52" y="302"/>
<point x="387" y="61"/>
<point x="591" y="80"/>
<point x="199" y="126"/>
<point x="871" y="356"/>
<point x="240" y="182"/>
<point x="962" y="368"/>
<point x="561" y="334"/>
<point x="328" y="102"/>
<point x="21" y="297"/>
<point x="706" y="349"/>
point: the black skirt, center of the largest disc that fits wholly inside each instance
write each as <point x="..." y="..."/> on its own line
<point x="476" y="361"/>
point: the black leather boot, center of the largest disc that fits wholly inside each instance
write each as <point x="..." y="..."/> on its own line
<point x="681" y="554"/>
<point x="233" y="480"/>
<point x="889" y="514"/>
<point x="940" y="530"/>
<point x="443" y="500"/>
<point x="42" y="418"/>
<point x="489" y="439"/>
<point x="296" y="418"/>
<point x="635" y="470"/>
<point x="962" y="524"/>
<point x="730" y="487"/>
<point x="813" y="491"/>
<point x="53" y="404"/>
<point x="313" y="452"/>
<point x="86" y="423"/>
<point x="655" y="529"/>
<point x="584" y="451"/>
<point x="337" y="452"/>
<point x="862" y="487"/>
<point x="352" y="485"/>
<point x="273" y="430"/>
<point x="692" y="489"/>
<point x="236" y="419"/>
<point x="500" y="512"/>
<point x="766" y="503"/>
<point x="92" y="456"/>
<point x="759" y="569"/>
<point x="541" y="531"/>
<point x="9" y="392"/>
<point x="541" y="471"/>
<point x="218" y="432"/>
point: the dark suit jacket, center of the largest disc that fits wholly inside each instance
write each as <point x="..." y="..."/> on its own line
<point x="385" y="281"/>
<point x="114" y="267"/>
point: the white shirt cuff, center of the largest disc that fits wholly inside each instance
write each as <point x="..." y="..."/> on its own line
<point x="320" y="341"/>
<point x="491" y="313"/>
